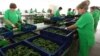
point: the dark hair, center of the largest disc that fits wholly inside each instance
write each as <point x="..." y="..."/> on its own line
<point x="60" y="8"/>
<point x="69" y="9"/>
<point x="13" y="5"/>
<point x="93" y="7"/>
<point x="97" y="7"/>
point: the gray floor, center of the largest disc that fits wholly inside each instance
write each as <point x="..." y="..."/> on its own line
<point x="96" y="49"/>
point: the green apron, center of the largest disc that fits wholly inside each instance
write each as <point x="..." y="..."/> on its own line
<point x="69" y="13"/>
<point x="57" y="13"/>
<point x="13" y="17"/>
<point x="96" y="16"/>
<point x="85" y="29"/>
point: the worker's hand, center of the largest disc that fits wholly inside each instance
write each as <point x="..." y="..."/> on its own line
<point x="13" y="26"/>
<point x="14" y="29"/>
<point x="66" y="28"/>
<point x="62" y="27"/>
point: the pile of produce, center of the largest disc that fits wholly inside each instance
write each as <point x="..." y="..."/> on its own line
<point x="38" y="19"/>
<point x="21" y="51"/>
<point x="24" y="36"/>
<point x="46" y="44"/>
<point x="57" y="31"/>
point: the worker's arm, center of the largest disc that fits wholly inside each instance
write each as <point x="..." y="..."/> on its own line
<point x="8" y="22"/>
<point x="6" y="17"/>
<point x="72" y="27"/>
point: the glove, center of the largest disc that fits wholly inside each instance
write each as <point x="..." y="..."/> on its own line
<point x="66" y="28"/>
<point x="13" y="25"/>
<point x="62" y="27"/>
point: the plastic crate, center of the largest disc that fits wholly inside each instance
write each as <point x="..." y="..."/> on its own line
<point x="28" y="27"/>
<point x="56" y="18"/>
<point x="58" y="52"/>
<point x="57" y="37"/>
<point x="6" y="33"/>
<point x="24" y="44"/>
<point x="16" y="38"/>
<point x="69" y="23"/>
<point x="1" y="53"/>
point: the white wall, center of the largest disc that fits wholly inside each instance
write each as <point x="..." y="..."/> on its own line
<point x="39" y="4"/>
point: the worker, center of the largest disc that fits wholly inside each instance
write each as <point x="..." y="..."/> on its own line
<point x="19" y="13"/>
<point x="73" y="12"/>
<point x="69" y="13"/>
<point x="31" y="10"/>
<point x="57" y="15"/>
<point x="85" y="28"/>
<point x="50" y="13"/>
<point x="18" y="10"/>
<point x="96" y="15"/>
<point x="12" y="17"/>
<point x="26" y="11"/>
<point x="30" y="17"/>
<point x="98" y="8"/>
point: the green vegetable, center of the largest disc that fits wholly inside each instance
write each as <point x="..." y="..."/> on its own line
<point x="57" y="31"/>
<point x="4" y="42"/>
<point x="63" y="22"/>
<point x="38" y="19"/>
<point x="46" y="44"/>
<point x="21" y="51"/>
<point x="24" y="36"/>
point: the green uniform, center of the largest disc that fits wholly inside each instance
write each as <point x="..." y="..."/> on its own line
<point x="69" y="13"/>
<point x="12" y="16"/>
<point x="96" y="15"/>
<point x="57" y="13"/>
<point x="72" y="13"/>
<point x="85" y="29"/>
<point x="99" y="14"/>
<point x="31" y="11"/>
<point x="19" y="13"/>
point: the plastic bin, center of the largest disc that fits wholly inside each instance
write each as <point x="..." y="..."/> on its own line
<point x="56" y="18"/>
<point x="28" y="27"/>
<point x="58" y="52"/>
<point x="1" y="53"/>
<point x="55" y="36"/>
<point x="23" y="44"/>
<point x="6" y="33"/>
<point x="18" y="37"/>
<point x="69" y="23"/>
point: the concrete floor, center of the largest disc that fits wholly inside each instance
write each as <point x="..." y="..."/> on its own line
<point x="96" y="49"/>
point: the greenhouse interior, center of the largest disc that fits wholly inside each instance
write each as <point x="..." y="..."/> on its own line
<point x="55" y="28"/>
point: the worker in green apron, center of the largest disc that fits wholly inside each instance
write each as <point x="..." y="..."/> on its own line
<point x="85" y="28"/>
<point x="69" y="13"/>
<point x="19" y="12"/>
<point x="12" y="18"/>
<point x="57" y="16"/>
<point x="73" y="12"/>
<point x="31" y="10"/>
<point x="96" y="15"/>
<point x="57" y="12"/>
